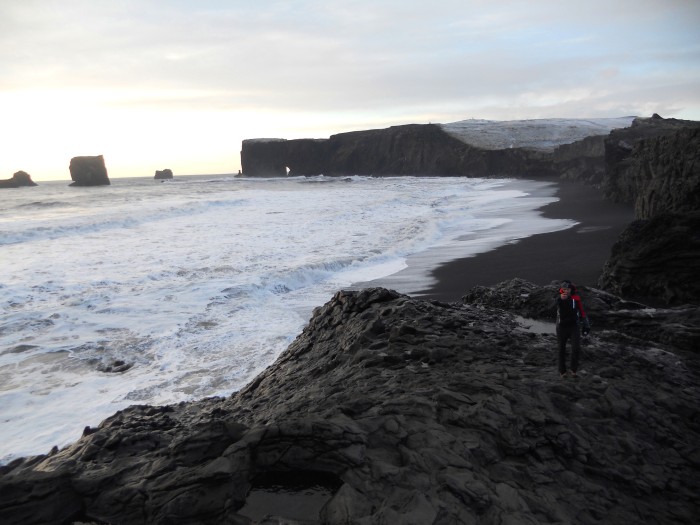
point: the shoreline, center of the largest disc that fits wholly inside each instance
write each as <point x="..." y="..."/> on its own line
<point x="578" y="253"/>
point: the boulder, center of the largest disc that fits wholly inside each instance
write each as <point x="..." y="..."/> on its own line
<point x="19" y="179"/>
<point x="164" y="174"/>
<point x="401" y="410"/>
<point x="88" y="171"/>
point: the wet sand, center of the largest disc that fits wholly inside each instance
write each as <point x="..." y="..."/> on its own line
<point x="577" y="254"/>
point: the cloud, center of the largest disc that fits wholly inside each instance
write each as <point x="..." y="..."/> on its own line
<point x="334" y="66"/>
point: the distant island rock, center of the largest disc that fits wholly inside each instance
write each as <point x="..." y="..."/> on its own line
<point x="19" y="179"/>
<point x="89" y="171"/>
<point x="164" y="174"/>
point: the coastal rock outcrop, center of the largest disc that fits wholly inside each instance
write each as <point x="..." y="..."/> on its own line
<point x="657" y="259"/>
<point x="401" y="410"/>
<point x="18" y="180"/>
<point x="477" y="148"/>
<point x="655" y="165"/>
<point x="415" y="149"/>
<point x="88" y="171"/>
<point x="164" y="174"/>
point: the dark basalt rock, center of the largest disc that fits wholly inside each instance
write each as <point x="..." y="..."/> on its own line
<point x="18" y="180"/>
<point x="88" y="171"/>
<point x="655" y="165"/>
<point x="410" y="412"/>
<point x="657" y="258"/>
<point x="164" y="174"/>
<point x="399" y="150"/>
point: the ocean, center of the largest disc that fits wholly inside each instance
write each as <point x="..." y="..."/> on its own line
<point x="149" y="292"/>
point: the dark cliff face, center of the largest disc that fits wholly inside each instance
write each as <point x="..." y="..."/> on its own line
<point x="655" y="165"/>
<point x="658" y="174"/>
<point x="400" y="150"/>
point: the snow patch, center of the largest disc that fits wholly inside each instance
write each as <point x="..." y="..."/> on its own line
<point x="538" y="134"/>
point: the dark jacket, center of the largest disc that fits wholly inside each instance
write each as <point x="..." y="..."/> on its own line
<point x="569" y="311"/>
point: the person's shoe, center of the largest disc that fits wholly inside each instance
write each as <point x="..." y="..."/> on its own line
<point x="563" y="375"/>
<point x="572" y="373"/>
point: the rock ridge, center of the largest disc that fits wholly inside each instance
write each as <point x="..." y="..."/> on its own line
<point x="417" y="412"/>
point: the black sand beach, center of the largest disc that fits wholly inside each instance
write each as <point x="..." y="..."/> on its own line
<point x="577" y="253"/>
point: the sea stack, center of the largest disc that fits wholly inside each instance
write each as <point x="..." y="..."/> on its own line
<point x="164" y="174"/>
<point x="19" y="179"/>
<point x="88" y="171"/>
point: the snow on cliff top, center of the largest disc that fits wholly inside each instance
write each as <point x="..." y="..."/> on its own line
<point x="538" y="134"/>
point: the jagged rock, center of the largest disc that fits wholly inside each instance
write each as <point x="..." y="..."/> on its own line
<point x="19" y="179"/>
<point x="164" y="174"/>
<point x="410" y="412"/>
<point x="658" y="174"/>
<point x="657" y="258"/>
<point x="88" y="171"/>
<point x="622" y="320"/>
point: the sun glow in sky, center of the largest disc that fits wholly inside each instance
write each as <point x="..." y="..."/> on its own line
<point x="154" y="84"/>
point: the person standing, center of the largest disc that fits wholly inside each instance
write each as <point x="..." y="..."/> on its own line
<point x="568" y="318"/>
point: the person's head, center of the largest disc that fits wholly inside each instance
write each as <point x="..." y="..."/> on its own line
<point x="563" y="292"/>
<point x="569" y="286"/>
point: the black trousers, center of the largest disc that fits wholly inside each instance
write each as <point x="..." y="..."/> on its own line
<point x="564" y="333"/>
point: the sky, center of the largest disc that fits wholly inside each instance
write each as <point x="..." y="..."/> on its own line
<point x="155" y="84"/>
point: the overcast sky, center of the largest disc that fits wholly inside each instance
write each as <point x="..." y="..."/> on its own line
<point x="153" y="84"/>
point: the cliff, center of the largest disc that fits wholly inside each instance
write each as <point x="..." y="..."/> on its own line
<point x="478" y="148"/>
<point x="655" y="166"/>
<point x="401" y="150"/>
<point x="388" y="409"/>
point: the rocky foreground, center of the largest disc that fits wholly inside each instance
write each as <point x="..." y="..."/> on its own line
<point x="388" y="409"/>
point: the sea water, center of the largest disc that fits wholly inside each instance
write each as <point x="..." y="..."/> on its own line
<point x="192" y="286"/>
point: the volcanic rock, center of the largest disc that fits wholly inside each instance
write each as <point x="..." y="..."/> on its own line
<point x="19" y="179"/>
<point x="477" y="148"/>
<point x="164" y="174"/>
<point x="88" y="171"/>
<point x="657" y="259"/>
<point x="655" y="165"/>
<point x="408" y="411"/>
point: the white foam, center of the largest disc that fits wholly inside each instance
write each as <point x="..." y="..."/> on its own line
<point x="200" y="283"/>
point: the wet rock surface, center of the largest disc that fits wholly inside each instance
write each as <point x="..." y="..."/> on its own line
<point x="410" y="411"/>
